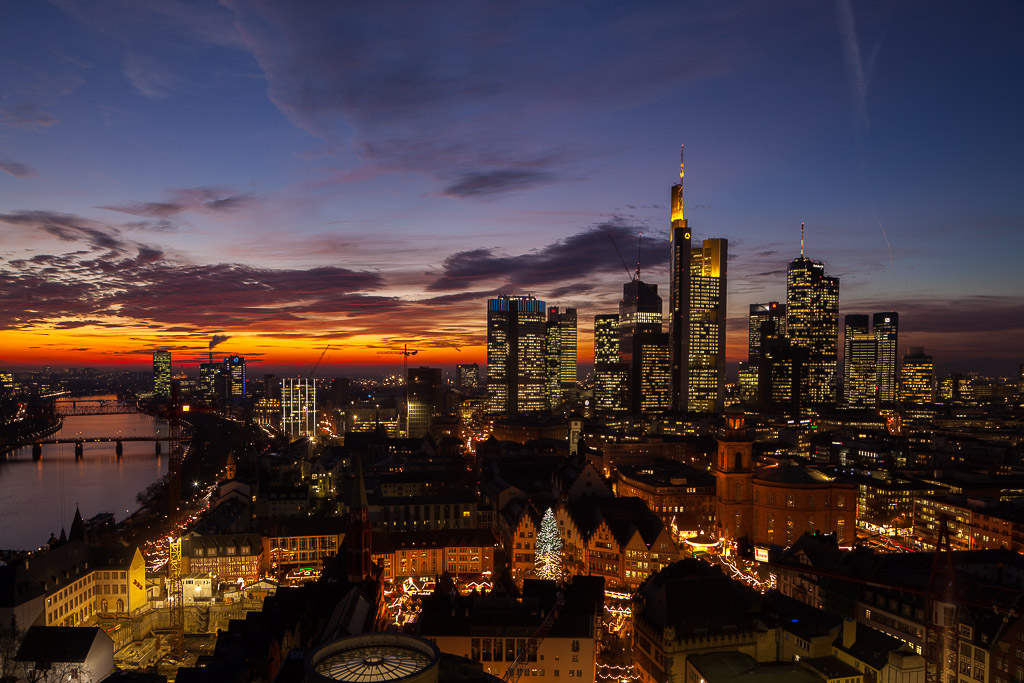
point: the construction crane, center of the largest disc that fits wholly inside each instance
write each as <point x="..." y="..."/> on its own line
<point x="176" y="594"/>
<point x="318" y="361"/>
<point x="406" y="352"/>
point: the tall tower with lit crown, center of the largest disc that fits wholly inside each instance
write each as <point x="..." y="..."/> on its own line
<point x="697" y="313"/>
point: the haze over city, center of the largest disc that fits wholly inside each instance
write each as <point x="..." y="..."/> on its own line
<point x="265" y="178"/>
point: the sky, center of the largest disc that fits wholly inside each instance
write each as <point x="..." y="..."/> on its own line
<point x="270" y="178"/>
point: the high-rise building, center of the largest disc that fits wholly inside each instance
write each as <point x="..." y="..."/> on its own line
<point x="467" y="376"/>
<point x="886" y="329"/>
<point x="234" y="374"/>
<point x="812" y="321"/>
<point x="611" y="377"/>
<point x="859" y="367"/>
<point x="298" y="407"/>
<point x="697" y="314"/>
<point x="162" y="374"/>
<point x="559" y="354"/>
<point x="643" y="348"/>
<point x="208" y="373"/>
<point x="515" y="354"/>
<point x="917" y="379"/>
<point x="424" y="387"/>
<point x="766" y="320"/>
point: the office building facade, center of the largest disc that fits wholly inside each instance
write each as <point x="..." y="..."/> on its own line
<point x="917" y="378"/>
<point x="467" y="376"/>
<point x="886" y="329"/>
<point x="424" y="387"/>
<point x="298" y="407"/>
<point x="234" y="378"/>
<point x="162" y="374"/>
<point x="515" y="354"/>
<point x="812" y="321"/>
<point x="611" y="377"/>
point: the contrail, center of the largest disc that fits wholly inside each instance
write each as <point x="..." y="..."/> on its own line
<point x="858" y="79"/>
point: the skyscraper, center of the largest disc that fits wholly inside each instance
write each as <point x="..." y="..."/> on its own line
<point x="515" y="354"/>
<point x="234" y="374"/>
<point x="812" y="321"/>
<point x="424" y="387"/>
<point x="162" y="374"/>
<point x="298" y="407"/>
<point x="766" y="322"/>
<point x="559" y="354"/>
<point x="917" y="380"/>
<point x="886" y="328"/>
<point x="859" y="367"/>
<point x="644" y="348"/>
<point x="697" y="314"/>
<point x="611" y="377"/>
<point x="208" y="373"/>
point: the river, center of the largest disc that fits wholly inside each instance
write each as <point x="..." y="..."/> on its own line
<point x="38" y="497"/>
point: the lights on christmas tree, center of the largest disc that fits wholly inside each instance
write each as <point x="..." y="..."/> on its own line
<point x="548" y="549"/>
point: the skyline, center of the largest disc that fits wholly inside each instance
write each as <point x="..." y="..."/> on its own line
<point x="283" y="178"/>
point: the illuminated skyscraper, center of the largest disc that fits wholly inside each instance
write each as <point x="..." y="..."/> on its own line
<point x="766" y="320"/>
<point x="697" y="314"/>
<point x="298" y="407"/>
<point x="162" y="374"/>
<point x="644" y="348"/>
<point x="858" y="362"/>
<point x="611" y="377"/>
<point x="515" y="354"/>
<point x="917" y="380"/>
<point x="234" y="377"/>
<point x="424" y="387"/>
<point x="208" y="373"/>
<point x="886" y="328"/>
<point x="559" y="354"/>
<point x="812" y="321"/>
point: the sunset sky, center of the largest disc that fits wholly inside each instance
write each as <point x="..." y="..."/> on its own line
<point x="278" y="176"/>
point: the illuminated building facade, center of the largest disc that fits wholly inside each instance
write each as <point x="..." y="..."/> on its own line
<point x="208" y="373"/>
<point x="765" y="321"/>
<point x="917" y="378"/>
<point x="515" y="354"/>
<point x="644" y="348"/>
<point x="886" y="329"/>
<point x="298" y="407"/>
<point x="859" y="363"/>
<point x="611" y="377"/>
<point x="424" y="387"/>
<point x="467" y="376"/>
<point x="162" y="374"/>
<point x="697" y="314"/>
<point x="812" y="321"/>
<point x="234" y="376"/>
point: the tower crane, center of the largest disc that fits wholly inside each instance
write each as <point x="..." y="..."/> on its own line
<point x="406" y="352"/>
<point x="318" y="361"/>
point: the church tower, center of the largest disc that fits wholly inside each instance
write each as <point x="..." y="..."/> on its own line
<point x="358" y="537"/>
<point x="734" y="475"/>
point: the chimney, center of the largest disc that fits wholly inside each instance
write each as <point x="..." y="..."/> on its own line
<point x="849" y="632"/>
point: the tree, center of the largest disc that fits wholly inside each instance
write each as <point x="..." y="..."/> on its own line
<point x="548" y="549"/>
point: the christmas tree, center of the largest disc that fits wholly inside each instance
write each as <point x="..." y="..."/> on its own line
<point x="548" y="549"/>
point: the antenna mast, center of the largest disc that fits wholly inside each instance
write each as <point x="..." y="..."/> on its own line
<point x="801" y="240"/>
<point x="639" y="245"/>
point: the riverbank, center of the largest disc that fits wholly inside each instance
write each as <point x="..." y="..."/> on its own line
<point x="28" y="431"/>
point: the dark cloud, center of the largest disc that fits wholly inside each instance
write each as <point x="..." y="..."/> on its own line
<point x="576" y="257"/>
<point x="451" y="90"/>
<point x="26" y="116"/>
<point x="68" y="228"/>
<point x="16" y="169"/>
<point x="193" y="199"/>
<point x="493" y="182"/>
<point x="571" y="290"/>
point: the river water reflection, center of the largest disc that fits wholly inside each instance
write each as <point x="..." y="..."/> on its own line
<point x="38" y="497"/>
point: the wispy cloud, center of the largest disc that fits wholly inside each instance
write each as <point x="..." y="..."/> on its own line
<point x="209" y="200"/>
<point x="16" y="169"/>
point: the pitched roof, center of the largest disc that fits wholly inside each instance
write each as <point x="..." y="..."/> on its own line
<point x="59" y="643"/>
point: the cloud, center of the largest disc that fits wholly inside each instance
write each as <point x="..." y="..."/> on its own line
<point x="565" y="261"/>
<point x="16" y="169"/>
<point x="218" y="339"/>
<point x="68" y="228"/>
<point x="207" y="200"/>
<point x="453" y="91"/>
<point x="26" y="116"/>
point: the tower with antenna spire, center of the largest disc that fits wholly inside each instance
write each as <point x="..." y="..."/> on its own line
<point x="812" y="322"/>
<point x="697" y="313"/>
